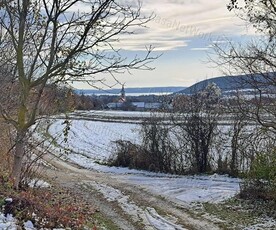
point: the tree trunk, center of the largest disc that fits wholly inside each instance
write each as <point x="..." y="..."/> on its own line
<point x="233" y="165"/>
<point x="18" y="160"/>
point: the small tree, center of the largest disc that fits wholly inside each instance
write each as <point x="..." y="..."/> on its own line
<point x="55" y="41"/>
<point x="197" y="123"/>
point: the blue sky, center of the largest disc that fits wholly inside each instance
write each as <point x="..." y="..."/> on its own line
<point x="183" y="31"/>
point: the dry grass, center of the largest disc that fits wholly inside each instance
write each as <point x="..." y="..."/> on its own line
<point x="48" y="207"/>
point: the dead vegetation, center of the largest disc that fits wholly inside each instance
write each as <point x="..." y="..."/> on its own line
<point x="46" y="207"/>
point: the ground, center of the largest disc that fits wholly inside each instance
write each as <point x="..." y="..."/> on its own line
<point x="125" y="205"/>
<point x="128" y="206"/>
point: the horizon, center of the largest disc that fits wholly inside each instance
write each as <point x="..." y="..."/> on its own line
<point x="126" y="88"/>
<point x="141" y="87"/>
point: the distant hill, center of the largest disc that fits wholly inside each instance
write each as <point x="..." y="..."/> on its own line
<point x="225" y="83"/>
<point x="131" y="91"/>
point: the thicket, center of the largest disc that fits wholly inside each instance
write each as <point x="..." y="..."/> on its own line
<point x="156" y="153"/>
<point x="176" y="143"/>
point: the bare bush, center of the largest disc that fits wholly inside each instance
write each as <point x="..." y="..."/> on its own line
<point x="196" y="122"/>
<point x="157" y="152"/>
<point x="158" y="142"/>
<point x="129" y="155"/>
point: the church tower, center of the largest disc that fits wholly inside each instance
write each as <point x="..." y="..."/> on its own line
<point x="123" y="94"/>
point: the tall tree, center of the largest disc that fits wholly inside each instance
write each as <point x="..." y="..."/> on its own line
<point x="51" y="41"/>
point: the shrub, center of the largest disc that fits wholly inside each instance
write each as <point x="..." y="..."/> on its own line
<point x="130" y="155"/>
<point x="261" y="181"/>
<point x="264" y="167"/>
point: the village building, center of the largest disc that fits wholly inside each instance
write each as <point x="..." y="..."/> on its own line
<point x="123" y="104"/>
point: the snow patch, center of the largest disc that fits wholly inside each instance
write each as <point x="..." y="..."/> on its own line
<point x="7" y="222"/>
<point x="115" y="195"/>
<point x="189" y="189"/>
<point x="36" y="183"/>
<point x="159" y="222"/>
<point x="150" y="217"/>
<point x="8" y="200"/>
<point x="29" y="225"/>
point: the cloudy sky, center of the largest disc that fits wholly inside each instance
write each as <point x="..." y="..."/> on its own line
<point x="183" y="32"/>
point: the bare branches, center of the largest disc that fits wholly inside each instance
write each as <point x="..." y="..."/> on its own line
<point x="259" y="13"/>
<point x="256" y="59"/>
<point x="57" y="41"/>
<point x="52" y="41"/>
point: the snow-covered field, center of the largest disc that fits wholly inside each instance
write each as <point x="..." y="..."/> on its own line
<point x="92" y="138"/>
<point x="90" y="142"/>
<point x="189" y="189"/>
<point x="123" y="114"/>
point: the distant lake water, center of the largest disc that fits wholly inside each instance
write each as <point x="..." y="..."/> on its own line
<point x="131" y="91"/>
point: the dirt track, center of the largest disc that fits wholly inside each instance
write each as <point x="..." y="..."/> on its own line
<point x="126" y="205"/>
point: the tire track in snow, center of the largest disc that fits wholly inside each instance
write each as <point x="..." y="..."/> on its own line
<point x="149" y="217"/>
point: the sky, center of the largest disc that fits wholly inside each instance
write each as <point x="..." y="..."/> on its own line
<point x="183" y="31"/>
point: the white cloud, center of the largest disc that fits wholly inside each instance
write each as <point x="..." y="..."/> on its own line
<point x="156" y="39"/>
<point x="178" y="20"/>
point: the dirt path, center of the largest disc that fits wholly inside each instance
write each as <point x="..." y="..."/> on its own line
<point x="126" y="205"/>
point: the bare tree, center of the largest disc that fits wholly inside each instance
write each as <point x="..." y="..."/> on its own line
<point x="256" y="59"/>
<point x="197" y="121"/>
<point x="45" y="41"/>
<point x="159" y="144"/>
